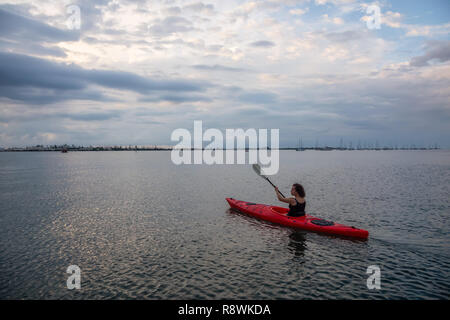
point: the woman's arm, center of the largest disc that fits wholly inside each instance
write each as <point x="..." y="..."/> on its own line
<point x="281" y="198"/>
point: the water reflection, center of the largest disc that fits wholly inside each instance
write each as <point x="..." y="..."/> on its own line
<point x="297" y="243"/>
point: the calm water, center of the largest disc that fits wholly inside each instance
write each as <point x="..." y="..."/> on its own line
<point x="140" y="227"/>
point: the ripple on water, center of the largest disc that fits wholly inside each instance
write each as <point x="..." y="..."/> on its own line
<point x="142" y="228"/>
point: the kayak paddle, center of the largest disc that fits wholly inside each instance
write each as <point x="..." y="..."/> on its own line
<point x="260" y="173"/>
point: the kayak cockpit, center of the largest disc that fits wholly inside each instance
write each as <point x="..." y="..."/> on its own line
<point x="280" y="210"/>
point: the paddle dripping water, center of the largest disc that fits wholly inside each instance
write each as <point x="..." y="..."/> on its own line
<point x="278" y="215"/>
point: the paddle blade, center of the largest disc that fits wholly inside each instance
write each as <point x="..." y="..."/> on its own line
<point x="256" y="168"/>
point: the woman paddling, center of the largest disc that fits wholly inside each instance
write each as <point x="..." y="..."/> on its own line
<point x="297" y="203"/>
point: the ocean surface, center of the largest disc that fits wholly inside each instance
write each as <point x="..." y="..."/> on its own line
<point x="140" y="227"/>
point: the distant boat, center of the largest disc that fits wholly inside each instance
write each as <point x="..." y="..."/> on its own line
<point x="300" y="145"/>
<point x="64" y="150"/>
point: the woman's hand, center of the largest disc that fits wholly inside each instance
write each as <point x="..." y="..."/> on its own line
<point x="277" y="192"/>
<point x="280" y="197"/>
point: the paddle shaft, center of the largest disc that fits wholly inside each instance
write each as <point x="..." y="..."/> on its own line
<point x="258" y="171"/>
<point x="274" y="187"/>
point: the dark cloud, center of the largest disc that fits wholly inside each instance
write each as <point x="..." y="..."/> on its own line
<point x="42" y="96"/>
<point x="47" y="81"/>
<point x="438" y="51"/>
<point x="25" y="71"/>
<point x="130" y="81"/>
<point x="91" y="116"/>
<point x="16" y="27"/>
<point x="262" y="44"/>
<point x="216" y="67"/>
<point x="81" y="116"/>
<point x="200" y="7"/>
<point x="145" y="112"/>
<point x="21" y="34"/>
<point x="177" y="98"/>
<point x="258" y="98"/>
<point x="345" y="36"/>
<point x="170" y="25"/>
<point x="31" y="48"/>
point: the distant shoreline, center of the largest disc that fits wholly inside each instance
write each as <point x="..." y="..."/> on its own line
<point x="99" y="149"/>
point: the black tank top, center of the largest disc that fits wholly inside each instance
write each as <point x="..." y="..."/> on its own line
<point x="298" y="210"/>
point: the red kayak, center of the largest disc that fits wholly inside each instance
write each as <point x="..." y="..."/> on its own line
<point x="278" y="215"/>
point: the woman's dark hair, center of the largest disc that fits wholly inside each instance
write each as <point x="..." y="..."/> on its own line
<point x="300" y="190"/>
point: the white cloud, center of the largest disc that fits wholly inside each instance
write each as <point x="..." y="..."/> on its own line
<point x="427" y="30"/>
<point x="334" y="20"/>
<point x="298" y="12"/>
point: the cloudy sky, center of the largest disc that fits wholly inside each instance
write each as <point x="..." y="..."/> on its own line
<point x="136" y="70"/>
